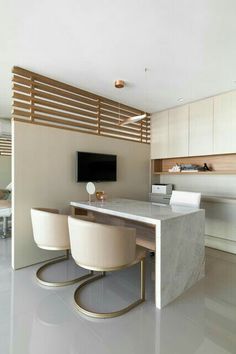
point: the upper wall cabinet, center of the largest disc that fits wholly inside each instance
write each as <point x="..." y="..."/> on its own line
<point x="225" y="123"/>
<point x="222" y="123"/>
<point x="178" y="131"/>
<point x="201" y="127"/>
<point x="159" y="135"/>
<point x="204" y="127"/>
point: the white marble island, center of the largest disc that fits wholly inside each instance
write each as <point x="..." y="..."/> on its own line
<point x="179" y="240"/>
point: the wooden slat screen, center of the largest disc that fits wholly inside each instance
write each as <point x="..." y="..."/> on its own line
<point x="5" y="147"/>
<point x="40" y="100"/>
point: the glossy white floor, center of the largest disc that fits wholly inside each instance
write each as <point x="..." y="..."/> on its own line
<point x="38" y="320"/>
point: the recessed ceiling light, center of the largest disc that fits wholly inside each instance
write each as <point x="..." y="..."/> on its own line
<point x="180" y="99"/>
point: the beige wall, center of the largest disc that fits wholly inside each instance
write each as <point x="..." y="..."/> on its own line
<point x="5" y="171"/>
<point x="44" y="175"/>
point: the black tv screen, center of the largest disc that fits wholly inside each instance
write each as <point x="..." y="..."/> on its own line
<point x="93" y="167"/>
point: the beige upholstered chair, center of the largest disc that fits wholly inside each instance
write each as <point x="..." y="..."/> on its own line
<point x="189" y="199"/>
<point x="100" y="247"/>
<point x="50" y="230"/>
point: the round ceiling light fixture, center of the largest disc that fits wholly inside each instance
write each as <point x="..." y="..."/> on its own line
<point x="119" y="83"/>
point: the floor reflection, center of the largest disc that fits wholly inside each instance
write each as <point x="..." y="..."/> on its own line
<point x="38" y="320"/>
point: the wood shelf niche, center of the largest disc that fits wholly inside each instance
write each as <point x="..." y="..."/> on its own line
<point x="218" y="164"/>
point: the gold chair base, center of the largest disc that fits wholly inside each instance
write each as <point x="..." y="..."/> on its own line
<point x="61" y="283"/>
<point x="114" y="313"/>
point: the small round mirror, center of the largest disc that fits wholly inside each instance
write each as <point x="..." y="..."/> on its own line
<point x="90" y="188"/>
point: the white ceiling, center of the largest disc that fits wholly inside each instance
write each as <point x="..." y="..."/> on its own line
<point x="188" y="46"/>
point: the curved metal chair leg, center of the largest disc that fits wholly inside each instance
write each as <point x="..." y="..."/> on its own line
<point x="114" y="313"/>
<point x="61" y="283"/>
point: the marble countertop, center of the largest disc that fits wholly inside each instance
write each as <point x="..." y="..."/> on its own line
<point x="136" y="210"/>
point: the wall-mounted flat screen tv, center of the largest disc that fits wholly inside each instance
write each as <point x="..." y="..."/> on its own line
<point x="92" y="167"/>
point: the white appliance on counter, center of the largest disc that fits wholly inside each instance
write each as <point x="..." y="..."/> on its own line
<point x="161" y="193"/>
<point x="162" y="188"/>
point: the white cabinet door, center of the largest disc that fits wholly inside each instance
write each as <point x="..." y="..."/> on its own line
<point x="178" y="132"/>
<point x="222" y="136"/>
<point x="201" y="127"/>
<point x="159" y="135"/>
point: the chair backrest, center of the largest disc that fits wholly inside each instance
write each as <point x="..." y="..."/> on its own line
<point x="101" y="247"/>
<point x="50" y="229"/>
<point x="190" y="199"/>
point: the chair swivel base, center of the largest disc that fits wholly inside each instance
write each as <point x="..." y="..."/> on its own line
<point x="114" y="313"/>
<point x="40" y="279"/>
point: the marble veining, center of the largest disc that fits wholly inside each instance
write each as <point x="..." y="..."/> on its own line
<point x="183" y="265"/>
<point x="135" y="209"/>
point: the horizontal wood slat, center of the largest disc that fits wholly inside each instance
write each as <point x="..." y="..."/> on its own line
<point x="116" y="121"/>
<point x="118" y="113"/>
<point x="119" y="108"/>
<point x="63" y="122"/>
<point x="116" y="132"/>
<point x="27" y="84"/>
<point x="43" y="103"/>
<point x="54" y="98"/>
<point x="114" y="136"/>
<point x="119" y="117"/>
<point x="20" y="113"/>
<point x="40" y="100"/>
<point x="52" y="82"/>
<point x="5" y="147"/>
<point x="49" y="97"/>
<point x="115" y="126"/>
